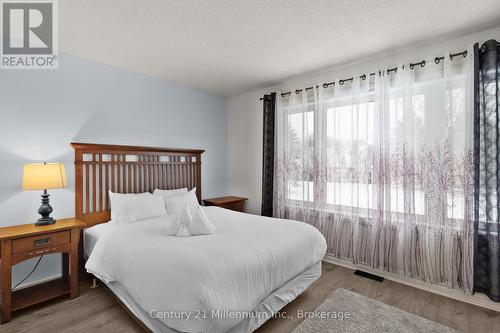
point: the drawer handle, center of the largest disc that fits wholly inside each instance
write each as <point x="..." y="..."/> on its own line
<point x="42" y="241"/>
<point x="42" y="251"/>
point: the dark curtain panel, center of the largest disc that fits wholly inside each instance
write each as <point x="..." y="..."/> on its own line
<point x="269" y="103"/>
<point x="487" y="172"/>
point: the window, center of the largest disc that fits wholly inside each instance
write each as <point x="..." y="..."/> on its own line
<point x="301" y="154"/>
<point x="351" y="152"/>
<point x="350" y="143"/>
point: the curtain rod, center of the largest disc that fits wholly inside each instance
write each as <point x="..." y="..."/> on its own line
<point x="422" y="63"/>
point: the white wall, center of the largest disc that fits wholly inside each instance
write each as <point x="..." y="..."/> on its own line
<point x="245" y="148"/>
<point x="42" y="111"/>
<point x="245" y="111"/>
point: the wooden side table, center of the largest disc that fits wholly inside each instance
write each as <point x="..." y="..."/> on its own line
<point x="230" y="202"/>
<point x="23" y="242"/>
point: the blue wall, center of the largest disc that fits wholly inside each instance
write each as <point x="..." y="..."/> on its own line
<point x="42" y="111"/>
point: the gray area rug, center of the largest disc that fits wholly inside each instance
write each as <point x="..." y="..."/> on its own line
<point x="346" y="311"/>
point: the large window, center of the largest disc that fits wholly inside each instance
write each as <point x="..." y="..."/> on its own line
<point x="367" y="157"/>
<point x="382" y="165"/>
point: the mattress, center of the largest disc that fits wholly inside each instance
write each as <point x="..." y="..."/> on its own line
<point x="92" y="234"/>
<point x="250" y="266"/>
<point x="261" y="313"/>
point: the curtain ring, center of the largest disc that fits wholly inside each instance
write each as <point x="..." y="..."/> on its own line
<point x="464" y="53"/>
<point x="437" y="60"/>
<point x="395" y="70"/>
<point x="325" y="85"/>
<point x="297" y="91"/>
<point x="341" y="82"/>
<point x="363" y="77"/>
<point x="422" y="64"/>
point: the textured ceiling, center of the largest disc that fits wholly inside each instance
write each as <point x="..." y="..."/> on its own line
<point x="232" y="46"/>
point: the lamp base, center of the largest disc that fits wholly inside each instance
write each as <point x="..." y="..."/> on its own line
<point x="45" y="221"/>
<point x="45" y="210"/>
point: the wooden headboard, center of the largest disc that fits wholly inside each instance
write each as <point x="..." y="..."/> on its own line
<point x="100" y="168"/>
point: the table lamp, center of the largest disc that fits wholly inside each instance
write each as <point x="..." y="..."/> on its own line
<point x="44" y="176"/>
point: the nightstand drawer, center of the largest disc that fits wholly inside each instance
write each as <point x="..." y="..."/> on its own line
<point x="35" y="242"/>
<point x="18" y="257"/>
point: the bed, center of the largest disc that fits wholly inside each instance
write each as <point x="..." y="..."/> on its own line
<point x="231" y="281"/>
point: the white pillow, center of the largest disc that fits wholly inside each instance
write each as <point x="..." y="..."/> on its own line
<point x="131" y="207"/>
<point x="191" y="223"/>
<point x="176" y="203"/>
<point x="200" y="224"/>
<point x="174" y="227"/>
<point x="118" y="203"/>
<point x="183" y="231"/>
<point x="169" y="193"/>
<point x="179" y="227"/>
<point x="185" y="216"/>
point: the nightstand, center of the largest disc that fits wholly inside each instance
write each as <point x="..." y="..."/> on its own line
<point x="231" y="202"/>
<point x="23" y="242"/>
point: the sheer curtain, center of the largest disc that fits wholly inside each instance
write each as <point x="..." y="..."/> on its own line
<point x="382" y="166"/>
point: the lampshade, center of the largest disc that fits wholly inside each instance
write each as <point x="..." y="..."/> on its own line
<point x="44" y="176"/>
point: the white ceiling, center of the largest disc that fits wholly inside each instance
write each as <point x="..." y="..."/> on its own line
<point x="232" y="46"/>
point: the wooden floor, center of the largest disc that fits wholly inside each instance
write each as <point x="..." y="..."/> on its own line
<point x="97" y="311"/>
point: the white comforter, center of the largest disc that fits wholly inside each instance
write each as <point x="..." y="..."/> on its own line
<point x="230" y="271"/>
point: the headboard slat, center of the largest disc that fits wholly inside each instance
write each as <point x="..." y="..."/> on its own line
<point x="106" y="186"/>
<point x="128" y="169"/>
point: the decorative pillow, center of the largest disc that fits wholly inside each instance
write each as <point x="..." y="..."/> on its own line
<point x="174" y="227"/>
<point x="182" y="220"/>
<point x="176" y="203"/>
<point x="191" y="223"/>
<point x="200" y="224"/>
<point x="185" y="216"/>
<point x="183" y="231"/>
<point x="131" y="207"/>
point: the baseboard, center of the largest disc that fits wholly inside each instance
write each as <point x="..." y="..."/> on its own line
<point x="476" y="299"/>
